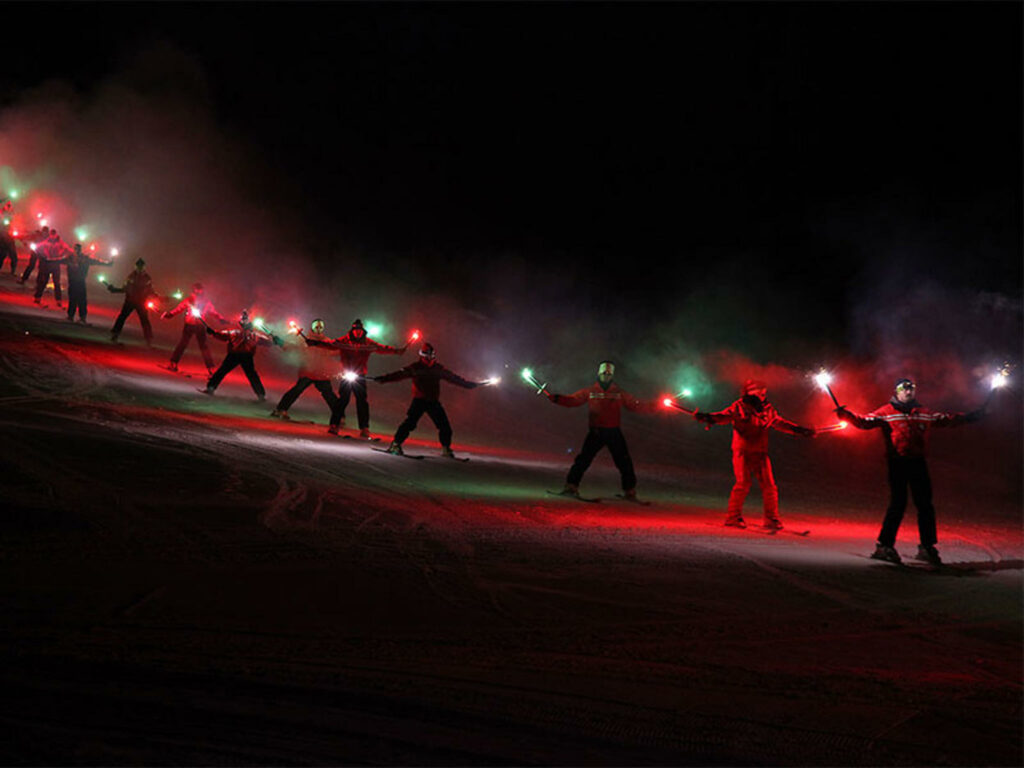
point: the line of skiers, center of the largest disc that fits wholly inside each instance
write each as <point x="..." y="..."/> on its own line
<point x="903" y="421"/>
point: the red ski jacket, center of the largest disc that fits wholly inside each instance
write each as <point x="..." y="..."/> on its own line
<point x="242" y="340"/>
<point x="205" y="307"/>
<point x="319" y="363"/>
<point x="605" y="404"/>
<point x="138" y="287"/>
<point x="750" y="425"/>
<point x="356" y="354"/>
<point x="426" y="379"/>
<point x="53" y="249"/>
<point x="905" y="425"/>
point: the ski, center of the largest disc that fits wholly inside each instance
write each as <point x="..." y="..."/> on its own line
<point x="174" y="370"/>
<point x="774" y="531"/>
<point x="402" y="455"/>
<point x="360" y="439"/>
<point x="463" y="459"/>
<point x="574" y="496"/>
<point x="908" y="565"/>
<point x="633" y="500"/>
<point x="761" y="529"/>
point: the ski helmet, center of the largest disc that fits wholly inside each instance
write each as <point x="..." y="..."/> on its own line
<point x="606" y="366"/>
<point x="750" y="386"/>
<point x="427" y="351"/>
<point x="905" y="384"/>
<point x="317" y="326"/>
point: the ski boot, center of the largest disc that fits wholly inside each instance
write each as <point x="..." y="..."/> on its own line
<point x="208" y="391"/>
<point x="396" y="448"/>
<point x="570" y="490"/>
<point x="447" y="452"/>
<point x="928" y="554"/>
<point x="172" y="366"/>
<point x="283" y="415"/>
<point x="772" y="524"/>
<point x="261" y="398"/>
<point x="888" y="554"/>
<point x="332" y="429"/>
<point x="629" y="495"/>
<point x="735" y="521"/>
<point x="364" y="434"/>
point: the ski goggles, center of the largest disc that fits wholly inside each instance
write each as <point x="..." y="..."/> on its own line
<point x="906" y="386"/>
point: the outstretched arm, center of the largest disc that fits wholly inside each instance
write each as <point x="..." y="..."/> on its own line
<point x="718" y="417"/>
<point x="860" y="422"/>
<point x="384" y="349"/>
<point x="401" y="373"/>
<point x="944" y="419"/>
<point x="457" y="380"/>
<point x="792" y="428"/>
<point x="637" y="405"/>
<point x="569" y="401"/>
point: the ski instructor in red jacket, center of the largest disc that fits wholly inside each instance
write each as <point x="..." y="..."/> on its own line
<point x="355" y="348"/>
<point x="751" y="417"/>
<point x="904" y="423"/>
<point x="606" y="401"/>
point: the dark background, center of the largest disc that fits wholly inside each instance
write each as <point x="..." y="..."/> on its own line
<point x="787" y="169"/>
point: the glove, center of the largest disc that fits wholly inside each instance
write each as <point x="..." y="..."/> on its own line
<point x="974" y="416"/>
<point x="701" y="416"/>
<point x="842" y="413"/>
<point x="110" y="288"/>
<point x="808" y="431"/>
<point x="550" y="395"/>
<point x="376" y="378"/>
<point x="166" y="315"/>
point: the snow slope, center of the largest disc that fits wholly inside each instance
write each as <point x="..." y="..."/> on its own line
<point x="187" y="581"/>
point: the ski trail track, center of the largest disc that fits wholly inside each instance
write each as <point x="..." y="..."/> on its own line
<point x="191" y="587"/>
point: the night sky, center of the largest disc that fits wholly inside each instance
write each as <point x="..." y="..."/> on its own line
<point x="777" y="162"/>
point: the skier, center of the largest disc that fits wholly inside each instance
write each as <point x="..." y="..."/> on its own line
<point x="8" y="250"/>
<point x="317" y="368"/>
<point x="78" y="263"/>
<point x="52" y="252"/>
<point x="751" y="417"/>
<point x="196" y="308"/>
<point x="904" y="423"/>
<point x="426" y="374"/>
<point x="137" y="288"/>
<point x="355" y="348"/>
<point x="242" y="343"/>
<point x="34" y="240"/>
<point x="605" y="400"/>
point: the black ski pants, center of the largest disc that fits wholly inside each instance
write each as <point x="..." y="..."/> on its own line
<point x="46" y="271"/>
<point x="346" y="390"/>
<point x="9" y="251"/>
<point x="912" y="471"/>
<point x="143" y="313"/>
<point x="435" y="411"/>
<point x="187" y="332"/>
<point x="33" y="259"/>
<point x="323" y="386"/>
<point x="232" y="361"/>
<point x="77" y="300"/>
<point x="597" y="438"/>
